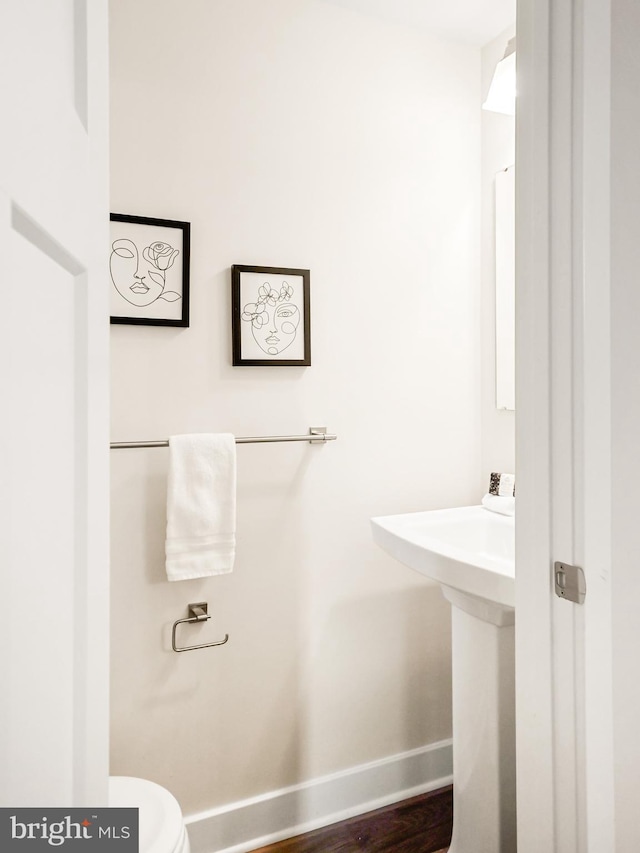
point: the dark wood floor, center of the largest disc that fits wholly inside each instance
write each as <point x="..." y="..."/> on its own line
<point x="420" y="825"/>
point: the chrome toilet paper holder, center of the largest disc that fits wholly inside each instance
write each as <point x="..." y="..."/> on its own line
<point x="198" y="612"/>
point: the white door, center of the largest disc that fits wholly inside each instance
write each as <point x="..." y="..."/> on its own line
<point x="53" y="403"/>
<point x="578" y="422"/>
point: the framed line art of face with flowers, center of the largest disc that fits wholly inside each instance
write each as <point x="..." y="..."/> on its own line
<point x="149" y="271"/>
<point x="270" y="316"/>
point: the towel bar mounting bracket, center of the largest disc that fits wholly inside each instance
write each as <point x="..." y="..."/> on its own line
<point x="320" y="432"/>
<point x="198" y="612"/>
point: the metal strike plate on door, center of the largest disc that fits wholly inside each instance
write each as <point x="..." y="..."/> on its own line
<point x="570" y="582"/>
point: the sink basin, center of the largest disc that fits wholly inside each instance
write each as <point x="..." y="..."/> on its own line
<point x="468" y="549"/>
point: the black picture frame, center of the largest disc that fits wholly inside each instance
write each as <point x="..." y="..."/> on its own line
<point x="156" y="260"/>
<point x="262" y="297"/>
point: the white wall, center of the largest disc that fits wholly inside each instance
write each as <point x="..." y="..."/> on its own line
<point x="498" y="152"/>
<point x="294" y="133"/>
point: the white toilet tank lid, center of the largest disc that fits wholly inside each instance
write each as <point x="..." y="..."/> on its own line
<point x="160" y="817"/>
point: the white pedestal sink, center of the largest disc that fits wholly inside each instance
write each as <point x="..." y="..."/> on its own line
<point x="470" y="551"/>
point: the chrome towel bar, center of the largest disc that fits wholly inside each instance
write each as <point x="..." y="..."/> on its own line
<point x="316" y="435"/>
<point x="197" y="613"/>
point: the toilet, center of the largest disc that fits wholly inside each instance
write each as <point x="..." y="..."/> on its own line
<point x="162" y="828"/>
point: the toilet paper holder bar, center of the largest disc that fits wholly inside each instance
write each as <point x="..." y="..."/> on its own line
<point x="198" y="612"/>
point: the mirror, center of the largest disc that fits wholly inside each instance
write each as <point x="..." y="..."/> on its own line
<point x="505" y="289"/>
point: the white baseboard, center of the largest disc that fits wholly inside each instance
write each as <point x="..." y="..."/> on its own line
<point x="248" y="824"/>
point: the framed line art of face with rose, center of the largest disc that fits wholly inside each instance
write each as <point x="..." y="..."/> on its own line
<point x="149" y="270"/>
<point x="270" y="316"/>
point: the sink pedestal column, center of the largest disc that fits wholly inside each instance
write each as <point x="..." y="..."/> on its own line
<point x="484" y="765"/>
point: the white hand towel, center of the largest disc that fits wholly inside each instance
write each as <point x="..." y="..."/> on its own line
<point x="497" y="503"/>
<point x="201" y="506"/>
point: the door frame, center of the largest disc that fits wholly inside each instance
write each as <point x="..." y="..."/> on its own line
<point x="563" y="428"/>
